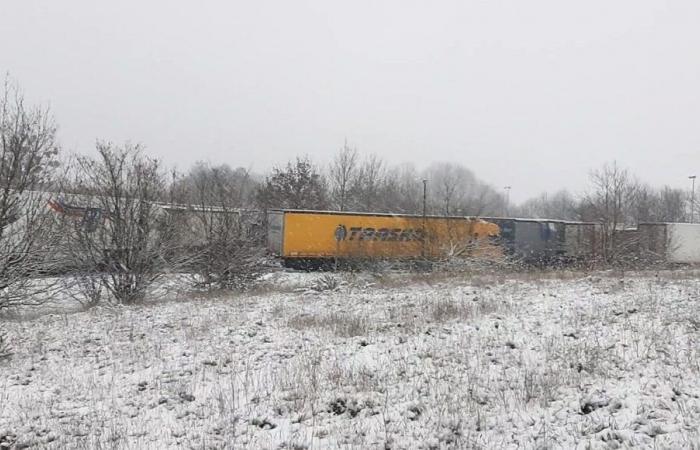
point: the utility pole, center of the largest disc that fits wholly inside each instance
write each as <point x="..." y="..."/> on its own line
<point x="692" y="199"/>
<point x="425" y="197"/>
<point x="505" y="205"/>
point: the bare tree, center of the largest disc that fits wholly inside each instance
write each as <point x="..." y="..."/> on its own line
<point x="28" y="155"/>
<point x="670" y="205"/>
<point x="561" y="205"/>
<point x="368" y="183"/>
<point x="659" y="205"/>
<point x="343" y="171"/>
<point x="125" y="239"/>
<point x="455" y="190"/>
<point x="645" y="204"/>
<point x="483" y="200"/>
<point x="240" y="183"/>
<point x="449" y="185"/>
<point x="402" y="190"/>
<point x="610" y="203"/>
<point x="298" y="186"/>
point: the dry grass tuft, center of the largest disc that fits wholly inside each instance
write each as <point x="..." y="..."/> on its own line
<point x="345" y="325"/>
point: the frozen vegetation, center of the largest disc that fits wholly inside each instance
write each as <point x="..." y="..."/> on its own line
<point x="346" y="361"/>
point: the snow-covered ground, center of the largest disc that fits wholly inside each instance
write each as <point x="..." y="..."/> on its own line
<point x="401" y="361"/>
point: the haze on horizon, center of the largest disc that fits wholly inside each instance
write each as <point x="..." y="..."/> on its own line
<point x="528" y="94"/>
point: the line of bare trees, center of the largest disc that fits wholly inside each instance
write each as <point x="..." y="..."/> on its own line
<point x="616" y="200"/>
<point x="353" y="182"/>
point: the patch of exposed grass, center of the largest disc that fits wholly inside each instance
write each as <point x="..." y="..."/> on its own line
<point x="342" y="324"/>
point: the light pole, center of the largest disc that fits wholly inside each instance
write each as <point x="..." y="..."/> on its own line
<point x="505" y="205"/>
<point x="692" y="199"/>
<point x="425" y="234"/>
<point x="425" y="196"/>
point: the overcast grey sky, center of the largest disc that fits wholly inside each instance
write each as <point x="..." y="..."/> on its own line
<point x="527" y="93"/>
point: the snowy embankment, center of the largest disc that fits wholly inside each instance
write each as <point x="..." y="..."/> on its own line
<point x="595" y="362"/>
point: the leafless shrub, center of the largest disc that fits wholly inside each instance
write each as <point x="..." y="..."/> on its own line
<point x="223" y="240"/>
<point x="86" y="288"/>
<point x="326" y="282"/>
<point x="130" y="242"/>
<point x="224" y="264"/>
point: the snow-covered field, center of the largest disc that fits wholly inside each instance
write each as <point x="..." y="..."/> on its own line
<point x="401" y="361"/>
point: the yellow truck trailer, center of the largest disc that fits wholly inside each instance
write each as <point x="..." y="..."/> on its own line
<point x="302" y="237"/>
